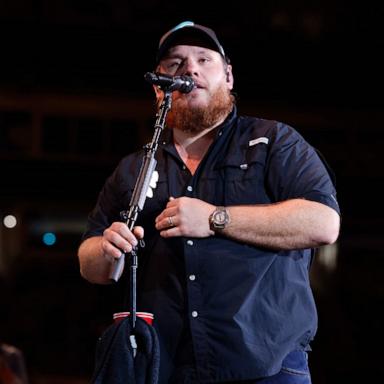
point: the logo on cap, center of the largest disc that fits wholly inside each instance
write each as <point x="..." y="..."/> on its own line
<point x="188" y="29"/>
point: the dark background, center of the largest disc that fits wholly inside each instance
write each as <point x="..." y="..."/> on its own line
<point x="73" y="101"/>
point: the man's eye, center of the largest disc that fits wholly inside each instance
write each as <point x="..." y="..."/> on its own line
<point x="174" y="64"/>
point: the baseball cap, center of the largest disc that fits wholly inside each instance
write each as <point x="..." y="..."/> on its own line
<point x="189" y="33"/>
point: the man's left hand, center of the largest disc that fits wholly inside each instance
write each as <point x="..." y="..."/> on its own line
<point x="185" y="216"/>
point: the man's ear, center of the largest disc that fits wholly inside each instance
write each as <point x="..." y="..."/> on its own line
<point x="229" y="76"/>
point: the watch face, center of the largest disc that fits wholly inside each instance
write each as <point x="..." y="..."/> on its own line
<point x="220" y="217"/>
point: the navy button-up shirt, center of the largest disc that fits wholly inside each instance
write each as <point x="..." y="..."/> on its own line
<point x="237" y="308"/>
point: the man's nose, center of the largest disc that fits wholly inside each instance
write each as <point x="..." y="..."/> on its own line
<point x="191" y="68"/>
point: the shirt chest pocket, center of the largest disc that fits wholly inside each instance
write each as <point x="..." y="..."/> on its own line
<point x="244" y="177"/>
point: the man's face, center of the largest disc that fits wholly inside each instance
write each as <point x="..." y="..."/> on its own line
<point x="210" y="101"/>
<point x="204" y="65"/>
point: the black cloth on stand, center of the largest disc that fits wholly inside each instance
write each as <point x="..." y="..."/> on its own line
<point x="115" y="363"/>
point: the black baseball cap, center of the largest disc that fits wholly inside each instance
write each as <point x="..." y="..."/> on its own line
<point x="189" y="33"/>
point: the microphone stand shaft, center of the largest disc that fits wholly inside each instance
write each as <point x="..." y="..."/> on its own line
<point x="137" y="202"/>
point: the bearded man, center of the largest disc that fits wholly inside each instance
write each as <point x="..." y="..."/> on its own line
<point x="240" y="205"/>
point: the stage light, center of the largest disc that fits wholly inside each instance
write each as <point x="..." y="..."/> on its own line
<point x="49" y="238"/>
<point x="10" y="221"/>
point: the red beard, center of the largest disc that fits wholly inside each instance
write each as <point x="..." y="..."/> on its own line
<point x="195" y="119"/>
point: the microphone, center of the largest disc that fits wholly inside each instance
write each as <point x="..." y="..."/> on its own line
<point x="183" y="83"/>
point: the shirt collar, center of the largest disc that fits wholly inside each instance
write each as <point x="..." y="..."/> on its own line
<point x="166" y="139"/>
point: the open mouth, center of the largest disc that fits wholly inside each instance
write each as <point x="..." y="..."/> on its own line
<point x="198" y="86"/>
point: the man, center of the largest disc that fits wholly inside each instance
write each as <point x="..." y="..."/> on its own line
<point x="240" y="205"/>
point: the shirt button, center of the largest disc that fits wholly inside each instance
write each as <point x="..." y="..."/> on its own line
<point x="184" y="167"/>
<point x="189" y="188"/>
<point x="192" y="277"/>
<point x="190" y="242"/>
<point x="194" y="314"/>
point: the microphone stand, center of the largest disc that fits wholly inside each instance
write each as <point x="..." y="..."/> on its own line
<point x="138" y="199"/>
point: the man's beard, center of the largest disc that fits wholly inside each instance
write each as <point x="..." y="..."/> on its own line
<point x="195" y="119"/>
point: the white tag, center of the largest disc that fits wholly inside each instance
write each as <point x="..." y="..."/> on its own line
<point x="259" y="140"/>
<point x="154" y="179"/>
<point x="152" y="184"/>
<point x="149" y="192"/>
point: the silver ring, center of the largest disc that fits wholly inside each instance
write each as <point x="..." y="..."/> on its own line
<point x="170" y="221"/>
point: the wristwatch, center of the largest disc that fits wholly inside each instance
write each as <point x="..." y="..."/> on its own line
<point x="218" y="219"/>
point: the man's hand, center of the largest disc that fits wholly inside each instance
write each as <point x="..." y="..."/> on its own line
<point x="185" y="216"/>
<point x="117" y="238"/>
